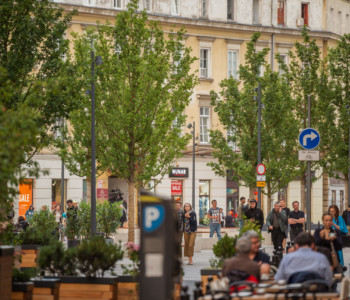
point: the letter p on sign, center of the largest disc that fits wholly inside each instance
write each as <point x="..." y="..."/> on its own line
<point x="153" y="217"/>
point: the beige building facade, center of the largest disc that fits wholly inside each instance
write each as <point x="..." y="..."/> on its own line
<point x="217" y="32"/>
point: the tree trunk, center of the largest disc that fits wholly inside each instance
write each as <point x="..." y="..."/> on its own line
<point x="252" y="191"/>
<point x="131" y="210"/>
<point x="268" y="206"/>
<point x="302" y="194"/>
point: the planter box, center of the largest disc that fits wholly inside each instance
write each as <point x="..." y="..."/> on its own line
<point x="73" y="243"/>
<point x="128" y="288"/>
<point x="87" y="288"/>
<point x="6" y="261"/>
<point x="22" y="291"/>
<point x="46" y="289"/>
<point x="205" y="273"/>
<point x="29" y="255"/>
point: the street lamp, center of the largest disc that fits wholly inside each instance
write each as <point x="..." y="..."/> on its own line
<point x="98" y="61"/>
<point x="189" y="126"/>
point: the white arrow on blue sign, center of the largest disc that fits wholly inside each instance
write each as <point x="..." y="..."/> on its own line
<point x="309" y="138"/>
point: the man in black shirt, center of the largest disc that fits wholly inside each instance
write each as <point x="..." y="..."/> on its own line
<point x="296" y="220"/>
<point x="255" y="214"/>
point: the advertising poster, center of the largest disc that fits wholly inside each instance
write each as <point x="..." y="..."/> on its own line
<point x="25" y="196"/>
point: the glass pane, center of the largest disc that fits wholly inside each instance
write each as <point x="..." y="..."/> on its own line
<point x="56" y="193"/>
<point x="204" y="187"/>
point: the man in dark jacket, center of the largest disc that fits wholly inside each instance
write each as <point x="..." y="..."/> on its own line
<point x="179" y="227"/>
<point x="346" y="216"/>
<point x="255" y="214"/>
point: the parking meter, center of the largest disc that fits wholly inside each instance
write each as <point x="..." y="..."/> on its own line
<point x="157" y="252"/>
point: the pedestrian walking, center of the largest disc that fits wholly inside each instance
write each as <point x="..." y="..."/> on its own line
<point x="222" y="217"/>
<point x="190" y="231"/>
<point x="296" y="220"/>
<point x="29" y="213"/>
<point x="58" y="217"/>
<point x="242" y="208"/>
<point x="287" y="211"/>
<point x="255" y="214"/>
<point x="338" y="223"/>
<point x="215" y="220"/>
<point x="276" y="224"/>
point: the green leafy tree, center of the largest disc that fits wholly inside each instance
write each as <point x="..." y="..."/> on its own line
<point x="339" y="71"/>
<point x="306" y="75"/>
<point x="107" y="216"/>
<point x="32" y="46"/>
<point x="238" y="112"/>
<point x="142" y="89"/>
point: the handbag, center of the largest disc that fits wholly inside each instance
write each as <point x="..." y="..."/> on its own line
<point x="337" y="267"/>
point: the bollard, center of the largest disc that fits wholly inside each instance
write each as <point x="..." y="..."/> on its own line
<point x="197" y="293"/>
<point x="184" y="294"/>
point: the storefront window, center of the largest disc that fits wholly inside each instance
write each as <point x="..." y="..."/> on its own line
<point x="204" y="199"/>
<point x="176" y="190"/>
<point x="25" y="196"/>
<point x="56" y="193"/>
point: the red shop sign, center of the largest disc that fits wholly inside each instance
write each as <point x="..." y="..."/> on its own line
<point x="176" y="187"/>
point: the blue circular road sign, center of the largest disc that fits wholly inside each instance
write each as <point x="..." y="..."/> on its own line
<point x="309" y="138"/>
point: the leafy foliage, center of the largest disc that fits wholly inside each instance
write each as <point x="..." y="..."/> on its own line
<point x="73" y="224"/>
<point x="132" y="269"/>
<point x="84" y="216"/>
<point x="23" y="276"/>
<point x="142" y="90"/>
<point x="107" y="217"/>
<point x="238" y="111"/>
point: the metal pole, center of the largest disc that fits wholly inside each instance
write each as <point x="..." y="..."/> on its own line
<point x="349" y="168"/>
<point x="93" y="154"/>
<point x="194" y="166"/>
<point x="259" y="139"/>
<point x="308" y="178"/>
<point x="62" y="174"/>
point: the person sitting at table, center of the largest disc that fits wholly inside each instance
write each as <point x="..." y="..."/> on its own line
<point x="241" y="267"/>
<point x="256" y="255"/>
<point x="304" y="263"/>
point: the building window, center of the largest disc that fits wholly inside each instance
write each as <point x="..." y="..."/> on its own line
<point x="280" y="12"/>
<point x="204" y="63"/>
<point x="284" y="58"/>
<point x="56" y="193"/>
<point x="204" y="125"/>
<point x="203" y="11"/>
<point x="232" y="67"/>
<point x="256" y="11"/>
<point x="305" y="13"/>
<point x="230" y="10"/>
<point x="175" y="7"/>
<point x="334" y="197"/>
<point x="230" y="135"/>
<point x="89" y="2"/>
<point x="342" y="207"/>
<point x="117" y="3"/>
<point x="204" y="199"/>
<point x="146" y="4"/>
<point x="339" y="23"/>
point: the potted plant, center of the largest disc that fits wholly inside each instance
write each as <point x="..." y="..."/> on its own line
<point x="22" y="287"/>
<point x="92" y="258"/>
<point x="108" y="216"/>
<point x="43" y="228"/>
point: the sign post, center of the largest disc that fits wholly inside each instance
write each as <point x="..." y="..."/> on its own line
<point x="158" y="247"/>
<point x="309" y="139"/>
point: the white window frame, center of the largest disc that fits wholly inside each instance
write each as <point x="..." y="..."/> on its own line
<point x="204" y="9"/>
<point x="204" y="70"/>
<point x="285" y="60"/>
<point x="175" y="7"/>
<point x="204" y="114"/>
<point x="234" y="69"/>
<point x="258" y="21"/>
<point x="117" y="3"/>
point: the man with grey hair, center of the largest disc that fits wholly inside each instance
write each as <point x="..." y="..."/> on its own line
<point x="255" y="254"/>
<point x="241" y="263"/>
<point x="276" y="223"/>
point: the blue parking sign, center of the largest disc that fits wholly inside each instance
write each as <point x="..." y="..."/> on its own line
<point x="309" y="138"/>
<point x="152" y="217"/>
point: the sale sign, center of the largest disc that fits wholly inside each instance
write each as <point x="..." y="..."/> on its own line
<point x="25" y="196"/>
<point x="176" y="187"/>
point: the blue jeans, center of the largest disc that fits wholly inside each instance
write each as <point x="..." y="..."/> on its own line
<point x="215" y="228"/>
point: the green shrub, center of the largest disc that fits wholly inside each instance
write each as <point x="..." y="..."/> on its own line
<point x="84" y="215"/>
<point x="107" y="217"/>
<point x="73" y="224"/>
<point x="23" y="276"/>
<point x="33" y="237"/>
<point x="43" y="221"/>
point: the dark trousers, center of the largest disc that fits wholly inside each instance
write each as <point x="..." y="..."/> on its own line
<point x="294" y="232"/>
<point x="277" y="236"/>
